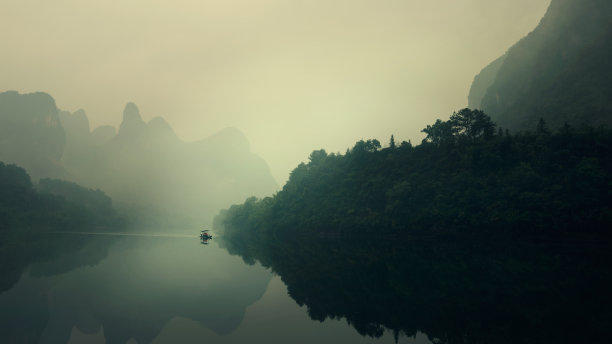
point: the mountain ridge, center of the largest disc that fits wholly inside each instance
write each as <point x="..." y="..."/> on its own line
<point x="143" y="165"/>
<point x="559" y="72"/>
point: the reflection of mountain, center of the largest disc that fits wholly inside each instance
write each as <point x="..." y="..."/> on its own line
<point x="560" y="71"/>
<point x="141" y="285"/>
<point x="142" y="166"/>
<point x="455" y="293"/>
<point x="24" y="308"/>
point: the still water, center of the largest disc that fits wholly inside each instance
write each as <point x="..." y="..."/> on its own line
<point x="157" y="288"/>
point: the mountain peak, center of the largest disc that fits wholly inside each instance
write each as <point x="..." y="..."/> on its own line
<point x="132" y="122"/>
<point x="230" y="137"/>
<point x="103" y="134"/>
<point x="131" y="113"/>
<point x="75" y="123"/>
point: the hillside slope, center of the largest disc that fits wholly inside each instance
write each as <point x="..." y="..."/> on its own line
<point x="561" y="71"/>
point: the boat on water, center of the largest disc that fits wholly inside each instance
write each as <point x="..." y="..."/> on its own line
<point x="204" y="235"/>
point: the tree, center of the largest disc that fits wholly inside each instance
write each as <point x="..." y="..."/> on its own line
<point x="406" y="144"/>
<point x="473" y="124"/>
<point x="440" y="133"/>
<point x="317" y="156"/>
<point x="566" y="129"/>
<point x="392" y="143"/>
<point x="541" y="128"/>
<point x="366" y="146"/>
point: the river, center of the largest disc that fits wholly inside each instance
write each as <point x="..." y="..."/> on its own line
<point x="158" y="287"/>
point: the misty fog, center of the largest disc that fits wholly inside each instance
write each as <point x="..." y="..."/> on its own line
<point x="282" y="171"/>
<point x="282" y="72"/>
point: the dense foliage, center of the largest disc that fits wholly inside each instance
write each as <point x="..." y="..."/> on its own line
<point x="432" y="238"/>
<point x="55" y="205"/>
<point x="92" y="205"/>
<point x="465" y="178"/>
<point x="453" y="291"/>
<point x="27" y="214"/>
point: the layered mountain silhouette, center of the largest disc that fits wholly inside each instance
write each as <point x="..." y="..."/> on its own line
<point x="144" y="166"/>
<point x="31" y="134"/>
<point x="560" y="72"/>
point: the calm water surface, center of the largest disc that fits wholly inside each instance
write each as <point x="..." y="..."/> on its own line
<point x="158" y="288"/>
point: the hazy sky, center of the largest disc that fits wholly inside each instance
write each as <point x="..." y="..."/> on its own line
<point x="294" y="76"/>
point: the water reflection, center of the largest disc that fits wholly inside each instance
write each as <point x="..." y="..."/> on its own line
<point x="470" y="292"/>
<point x="167" y="289"/>
<point x="129" y="288"/>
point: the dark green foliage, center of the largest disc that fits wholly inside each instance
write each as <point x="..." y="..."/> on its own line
<point x="469" y="237"/>
<point x="440" y="133"/>
<point x="366" y="146"/>
<point x="26" y="216"/>
<point x="94" y="203"/>
<point x="472" y="124"/>
<point x="13" y="180"/>
<point x="541" y="129"/>
<point x="453" y="291"/>
<point x="467" y="124"/>
<point x="462" y="182"/>
<point x="59" y="204"/>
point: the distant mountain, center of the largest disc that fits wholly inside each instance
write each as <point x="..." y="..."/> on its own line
<point x="31" y="134"/>
<point x="144" y="167"/>
<point x="80" y="149"/>
<point x="148" y="165"/>
<point x="562" y="71"/>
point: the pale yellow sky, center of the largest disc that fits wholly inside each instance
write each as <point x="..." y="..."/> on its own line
<point x="294" y="76"/>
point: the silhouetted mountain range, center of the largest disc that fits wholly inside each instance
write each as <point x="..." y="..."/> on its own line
<point x="145" y="167"/>
<point x="560" y="72"/>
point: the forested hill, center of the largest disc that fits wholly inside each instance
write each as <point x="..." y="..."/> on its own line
<point x="30" y="212"/>
<point x="561" y="71"/>
<point x="27" y="209"/>
<point x="466" y="177"/>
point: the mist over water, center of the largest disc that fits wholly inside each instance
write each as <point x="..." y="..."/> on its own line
<point x="156" y="288"/>
<point x="236" y="171"/>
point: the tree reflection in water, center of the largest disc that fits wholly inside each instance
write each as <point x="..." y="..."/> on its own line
<point x="455" y="292"/>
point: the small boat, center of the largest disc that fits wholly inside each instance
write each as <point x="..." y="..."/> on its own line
<point x="204" y="235"/>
